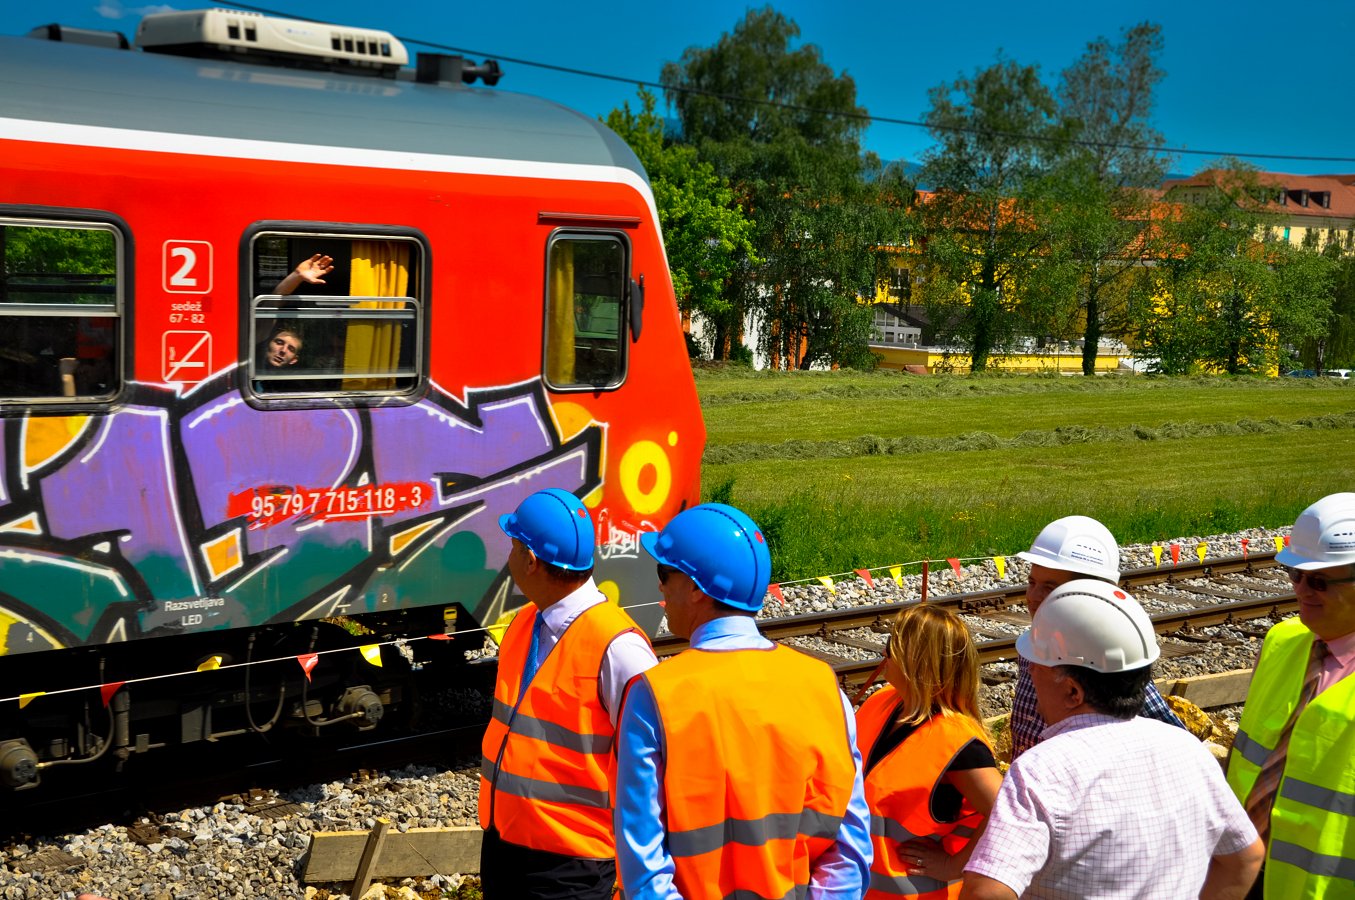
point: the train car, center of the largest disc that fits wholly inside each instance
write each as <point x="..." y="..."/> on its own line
<point x="229" y="503"/>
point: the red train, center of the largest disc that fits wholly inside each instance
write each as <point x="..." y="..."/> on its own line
<point x="203" y="466"/>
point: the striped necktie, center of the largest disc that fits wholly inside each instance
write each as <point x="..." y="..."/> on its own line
<point x="1262" y="796"/>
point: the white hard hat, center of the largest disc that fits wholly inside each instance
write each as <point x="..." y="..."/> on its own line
<point x="1323" y="535"/>
<point x="1092" y="624"/>
<point x="1076" y="544"/>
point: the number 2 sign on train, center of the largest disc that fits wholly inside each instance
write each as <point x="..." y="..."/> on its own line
<point x="288" y="324"/>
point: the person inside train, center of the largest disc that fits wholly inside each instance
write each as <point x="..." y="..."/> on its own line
<point x="308" y="271"/>
<point x="1066" y="549"/>
<point x="931" y="777"/>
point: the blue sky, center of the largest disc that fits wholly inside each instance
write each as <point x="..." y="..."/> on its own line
<point x="1241" y="76"/>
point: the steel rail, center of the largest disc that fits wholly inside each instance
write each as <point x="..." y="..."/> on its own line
<point x="878" y="615"/>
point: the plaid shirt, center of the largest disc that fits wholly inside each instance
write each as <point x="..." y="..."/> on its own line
<point x="1026" y="722"/>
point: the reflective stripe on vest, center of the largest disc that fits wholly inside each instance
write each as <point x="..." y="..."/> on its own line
<point x="1252" y="751"/>
<point x="758" y="770"/>
<point x="753" y="832"/>
<point x="1312" y="825"/>
<point x="552" y="733"/>
<point x="546" y="770"/>
<point x="905" y="885"/>
<point x="899" y="791"/>
<point x="1314" y="864"/>
<point x="548" y="791"/>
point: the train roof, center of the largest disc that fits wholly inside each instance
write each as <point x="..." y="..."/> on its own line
<point x="74" y="84"/>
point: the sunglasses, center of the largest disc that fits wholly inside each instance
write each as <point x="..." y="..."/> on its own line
<point x="1317" y="582"/>
<point x="664" y="572"/>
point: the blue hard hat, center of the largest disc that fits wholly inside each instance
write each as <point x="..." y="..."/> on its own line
<point x="721" y="549"/>
<point x="555" y="526"/>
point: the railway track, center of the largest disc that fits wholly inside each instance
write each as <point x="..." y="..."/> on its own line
<point x="1237" y="589"/>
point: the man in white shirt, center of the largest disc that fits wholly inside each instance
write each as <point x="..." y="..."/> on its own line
<point x="548" y="767"/>
<point x="1108" y="805"/>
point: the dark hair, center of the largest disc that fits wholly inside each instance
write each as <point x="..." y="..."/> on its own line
<point x="1118" y="694"/>
<point x="566" y="576"/>
<point x="726" y="609"/>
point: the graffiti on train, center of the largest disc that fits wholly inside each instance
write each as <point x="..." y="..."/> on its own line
<point x="200" y="512"/>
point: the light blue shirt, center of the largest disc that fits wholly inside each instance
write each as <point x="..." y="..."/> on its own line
<point x="626" y="657"/>
<point x="646" y="867"/>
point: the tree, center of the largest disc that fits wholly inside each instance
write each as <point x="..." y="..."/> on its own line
<point x="706" y="236"/>
<point x="1334" y="346"/>
<point x="996" y="132"/>
<point x="1229" y="292"/>
<point x="1096" y="211"/>
<point x="784" y="128"/>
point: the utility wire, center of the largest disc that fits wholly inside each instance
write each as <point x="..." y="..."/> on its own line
<point x="864" y="117"/>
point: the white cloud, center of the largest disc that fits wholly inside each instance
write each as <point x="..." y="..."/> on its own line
<point x="113" y="9"/>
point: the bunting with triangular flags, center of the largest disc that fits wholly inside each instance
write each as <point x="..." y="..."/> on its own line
<point x="106" y="691"/>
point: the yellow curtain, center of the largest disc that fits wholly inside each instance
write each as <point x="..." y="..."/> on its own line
<point x="560" y="315"/>
<point x="379" y="269"/>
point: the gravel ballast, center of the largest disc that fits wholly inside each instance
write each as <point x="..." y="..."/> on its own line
<point x="226" y="851"/>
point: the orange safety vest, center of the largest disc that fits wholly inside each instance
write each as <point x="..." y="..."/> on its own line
<point x="758" y="769"/>
<point x="548" y="767"/>
<point x="899" y="792"/>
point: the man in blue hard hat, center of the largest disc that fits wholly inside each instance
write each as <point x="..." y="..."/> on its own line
<point x="546" y="776"/>
<point x="737" y="771"/>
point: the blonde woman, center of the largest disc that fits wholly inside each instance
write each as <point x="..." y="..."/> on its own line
<point x="929" y="768"/>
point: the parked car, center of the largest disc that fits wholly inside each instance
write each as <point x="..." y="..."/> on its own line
<point x="1300" y="373"/>
<point x="1343" y="374"/>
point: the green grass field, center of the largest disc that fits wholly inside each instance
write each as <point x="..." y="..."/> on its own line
<point x="849" y="470"/>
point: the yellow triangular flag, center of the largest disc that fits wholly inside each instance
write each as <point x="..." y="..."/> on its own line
<point x="827" y="582"/>
<point x="1201" y="550"/>
<point x="372" y="653"/>
<point x="210" y="663"/>
<point x="1157" y="555"/>
<point x="896" y="573"/>
<point x="1001" y="563"/>
<point x="496" y="631"/>
<point x="25" y="699"/>
<point x="1279" y="543"/>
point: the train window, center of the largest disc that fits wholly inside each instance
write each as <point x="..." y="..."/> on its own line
<point x="60" y="303"/>
<point x="586" y="276"/>
<point x="358" y="329"/>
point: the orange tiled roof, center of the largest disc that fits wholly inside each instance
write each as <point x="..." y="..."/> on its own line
<point x="1341" y="189"/>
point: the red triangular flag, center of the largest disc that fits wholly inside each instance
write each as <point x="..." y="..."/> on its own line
<point x="308" y="661"/>
<point x="1286" y="540"/>
<point x="955" y="567"/>
<point x="865" y="573"/>
<point x="1176" y="553"/>
<point x="439" y="637"/>
<point x="106" y="691"/>
<point x="775" y="590"/>
<point x="1245" y="542"/>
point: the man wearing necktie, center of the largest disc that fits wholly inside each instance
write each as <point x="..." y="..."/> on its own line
<point x="1293" y="761"/>
<point x="548" y="762"/>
